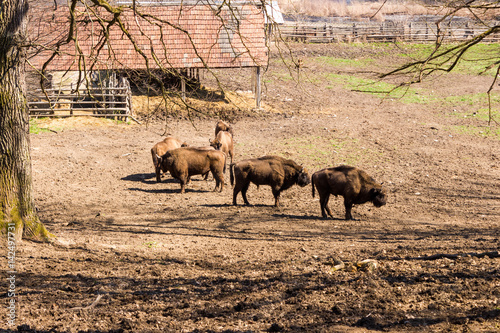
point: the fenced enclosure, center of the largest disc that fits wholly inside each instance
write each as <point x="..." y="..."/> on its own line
<point x="382" y="31"/>
<point x="113" y="102"/>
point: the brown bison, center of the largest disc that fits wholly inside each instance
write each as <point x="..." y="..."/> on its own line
<point x="205" y="176"/>
<point x="161" y="148"/>
<point x="355" y="185"/>
<point x="275" y="171"/>
<point x="182" y="163"/>
<point x="223" y="126"/>
<point x="224" y="142"/>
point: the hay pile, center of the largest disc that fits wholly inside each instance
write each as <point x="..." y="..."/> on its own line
<point x="57" y="124"/>
<point x="233" y="105"/>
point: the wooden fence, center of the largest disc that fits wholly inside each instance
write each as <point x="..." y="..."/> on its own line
<point x="381" y="31"/>
<point x="96" y="102"/>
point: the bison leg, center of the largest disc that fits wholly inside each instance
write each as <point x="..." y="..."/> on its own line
<point x="276" y="194"/>
<point x="244" y="193"/>
<point x="183" y="186"/>
<point x="237" y="189"/>
<point x="219" y="181"/>
<point x="158" y="174"/>
<point x="348" y="208"/>
<point x="323" y="201"/>
<point x="184" y="179"/>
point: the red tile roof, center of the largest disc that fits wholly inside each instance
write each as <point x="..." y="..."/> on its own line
<point x="171" y="36"/>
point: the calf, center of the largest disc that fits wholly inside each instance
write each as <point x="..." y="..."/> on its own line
<point x="182" y="163"/>
<point x="355" y="185"/>
<point x="275" y="171"/>
<point x="161" y="148"/>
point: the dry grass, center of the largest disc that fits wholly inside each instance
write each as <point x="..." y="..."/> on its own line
<point x="358" y="10"/>
<point x="354" y="10"/>
<point x="63" y="123"/>
<point x="235" y="104"/>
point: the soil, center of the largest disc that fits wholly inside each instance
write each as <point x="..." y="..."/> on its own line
<point x="134" y="255"/>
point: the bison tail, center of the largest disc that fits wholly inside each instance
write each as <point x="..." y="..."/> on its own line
<point x="312" y="183"/>
<point x="231" y="173"/>
<point x="155" y="158"/>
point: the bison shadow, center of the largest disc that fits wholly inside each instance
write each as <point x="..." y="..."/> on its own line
<point x="150" y="178"/>
<point x="146" y="178"/>
<point x="169" y="190"/>
<point x="304" y="217"/>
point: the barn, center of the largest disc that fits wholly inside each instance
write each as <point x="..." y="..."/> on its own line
<point x="88" y="47"/>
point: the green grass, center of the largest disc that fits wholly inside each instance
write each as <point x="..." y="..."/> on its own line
<point x="35" y="127"/>
<point x="473" y="62"/>
<point x="150" y="245"/>
<point x="474" y="99"/>
<point x="382" y="89"/>
<point x="340" y="62"/>
<point x="490" y="132"/>
<point x="470" y="105"/>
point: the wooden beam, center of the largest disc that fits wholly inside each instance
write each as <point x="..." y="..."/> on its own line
<point x="183" y="88"/>
<point x="258" y="90"/>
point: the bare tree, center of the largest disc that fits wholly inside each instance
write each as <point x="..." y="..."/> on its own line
<point x="445" y="56"/>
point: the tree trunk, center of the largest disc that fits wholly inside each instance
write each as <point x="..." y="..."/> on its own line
<point x="17" y="210"/>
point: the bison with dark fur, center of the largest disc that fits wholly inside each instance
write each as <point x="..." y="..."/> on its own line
<point x="182" y="163"/>
<point x="275" y="171"/>
<point x="224" y="142"/>
<point x="161" y="148"/>
<point x="355" y="185"/>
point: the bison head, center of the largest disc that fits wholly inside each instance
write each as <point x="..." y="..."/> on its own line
<point x="303" y="178"/>
<point x="379" y="196"/>
<point x="216" y="144"/>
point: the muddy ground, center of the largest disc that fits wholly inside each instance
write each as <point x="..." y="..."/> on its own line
<point x="134" y="255"/>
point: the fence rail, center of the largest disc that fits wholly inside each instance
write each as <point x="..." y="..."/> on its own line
<point x="97" y="102"/>
<point x="382" y="31"/>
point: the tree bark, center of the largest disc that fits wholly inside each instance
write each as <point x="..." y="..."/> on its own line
<point x="17" y="210"/>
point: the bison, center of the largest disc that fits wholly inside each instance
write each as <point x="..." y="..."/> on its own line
<point x="182" y="163"/>
<point x="161" y="148"/>
<point x="275" y="171"/>
<point x="205" y="176"/>
<point x="355" y="185"/>
<point x="223" y="126"/>
<point x="224" y="141"/>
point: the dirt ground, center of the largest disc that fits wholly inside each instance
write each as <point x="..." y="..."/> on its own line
<point x="134" y="255"/>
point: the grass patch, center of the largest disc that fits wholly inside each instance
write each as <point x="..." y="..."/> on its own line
<point x="474" y="61"/>
<point x="325" y="151"/>
<point x="486" y="132"/>
<point x="474" y="99"/>
<point x="35" y="127"/>
<point x="340" y="62"/>
<point x="382" y="89"/>
<point x="150" y="245"/>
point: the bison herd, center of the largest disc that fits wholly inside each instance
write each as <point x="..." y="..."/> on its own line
<point x="174" y="156"/>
